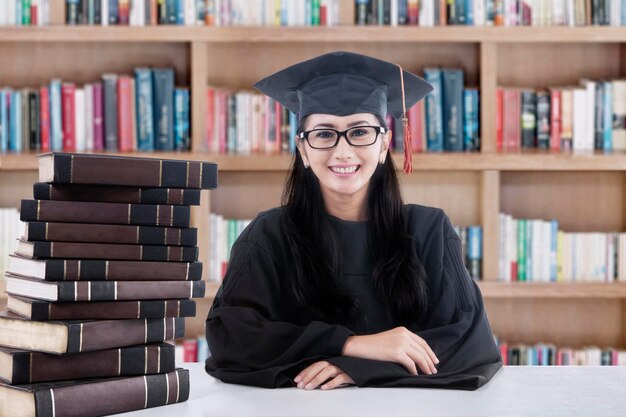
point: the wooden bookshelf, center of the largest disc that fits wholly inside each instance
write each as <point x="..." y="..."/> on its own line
<point x="584" y="191"/>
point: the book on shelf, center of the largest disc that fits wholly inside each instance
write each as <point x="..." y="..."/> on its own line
<point x="138" y="112"/>
<point x="26" y="367"/>
<point x="83" y="232"/>
<point x="93" y="396"/>
<point x="588" y="117"/>
<point x="489" y="13"/>
<point x="548" y="354"/>
<point x="77" y="336"/>
<point x="41" y="310"/>
<point x="25" y="13"/>
<point x="202" y="12"/>
<point x="102" y="290"/>
<point x="535" y="250"/>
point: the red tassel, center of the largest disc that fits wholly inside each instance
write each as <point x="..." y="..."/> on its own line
<point x="408" y="151"/>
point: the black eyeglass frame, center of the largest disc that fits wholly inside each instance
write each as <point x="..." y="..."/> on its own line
<point x="305" y="135"/>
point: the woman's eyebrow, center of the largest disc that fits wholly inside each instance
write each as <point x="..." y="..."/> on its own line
<point x="360" y="122"/>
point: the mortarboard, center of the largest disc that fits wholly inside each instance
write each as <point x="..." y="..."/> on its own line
<point x="343" y="83"/>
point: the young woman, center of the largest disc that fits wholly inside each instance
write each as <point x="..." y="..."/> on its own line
<point x="344" y="284"/>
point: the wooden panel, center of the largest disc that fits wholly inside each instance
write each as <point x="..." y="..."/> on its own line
<point x="15" y="186"/>
<point x="581" y="202"/>
<point x="563" y="290"/>
<point x="490" y="208"/>
<point x="458" y="193"/>
<point x="33" y="64"/>
<point x="57" y="12"/>
<point x="241" y="195"/>
<point x="245" y="67"/>
<point x="198" y="95"/>
<point x="487" y="96"/>
<point x="574" y="323"/>
<point x="543" y="65"/>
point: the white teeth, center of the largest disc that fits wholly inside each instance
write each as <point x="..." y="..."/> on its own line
<point x="342" y="170"/>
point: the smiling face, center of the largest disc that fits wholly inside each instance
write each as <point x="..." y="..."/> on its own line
<point x="344" y="171"/>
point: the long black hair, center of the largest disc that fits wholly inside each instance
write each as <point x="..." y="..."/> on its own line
<point x="399" y="276"/>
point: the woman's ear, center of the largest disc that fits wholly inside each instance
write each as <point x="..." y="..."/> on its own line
<point x="302" y="150"/>
<point x="384" y="149"/>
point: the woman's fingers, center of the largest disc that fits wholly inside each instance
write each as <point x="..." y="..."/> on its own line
<point x="408" y="363"/>
<point x="307" y="374"/>
<point x="339" y="380"/>
<point x="324" y="375"/>
<point x="423" y="344"/>
<point x="419" y="355"/>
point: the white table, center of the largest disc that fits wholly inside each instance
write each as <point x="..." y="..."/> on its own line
<point x="513" y="391"/>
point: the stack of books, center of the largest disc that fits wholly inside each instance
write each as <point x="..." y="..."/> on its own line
<point x="100" y="282"/>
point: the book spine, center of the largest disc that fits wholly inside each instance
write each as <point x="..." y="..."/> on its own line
<point x="123" y="116"/>
<point x="452" y="81"/>
<point x="34" y="122"/>
<point x="145" y="126"/>
<point x="555" y="119"/>
<point x="543" y="120"/>
<point x="71" y="12"/>
<point x="134" y="393"/>
<point x="81" y="270"/>
<point x="123" y="12"/>
<point x="4" y="120"/>
<point x="163" y="87"/>
<point x="111" y="170"/>
<point x="137" y="235"/>
<point x="69" y="122"/>
<point x="471" y="121"/>
<point x="113" y="18"/>
<point x="16" y="121"/>
<point x="56" y="125"/>
<point x="529" y="123"/>
<point x="122" y="290"/>
<point x="34" y="367"/>
<point x="98" y="117"/>
<point x="97" y="12"/>
<point x="176" y="196"/>
<point x="434" y="111"/>
<point x="44" y="111"/>
<point x="107" y="213"/>
<point x="109" y="310"/>
<point x="83" y="250"/>
<point x="110" y="112"/>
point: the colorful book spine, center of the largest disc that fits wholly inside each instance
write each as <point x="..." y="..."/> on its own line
<point x="434" y="111"/>
<point x="145" y="122"/>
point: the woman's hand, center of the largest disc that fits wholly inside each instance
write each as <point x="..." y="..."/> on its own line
<point x="318" y="373"/>
<point x="396" y="345"/>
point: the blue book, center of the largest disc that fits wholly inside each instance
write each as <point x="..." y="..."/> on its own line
<point x="163" y="88"/>
<point x="145" y="109"/>
<point x="113" y="12"/>
<point x="56" y="127"/>
<point x="470" y="120"/>
<point x="308" y="13"/>
<point x="434" y="111"/>
<point x="608" y="116"/>
<point x="15" y="143"/>
<point x="92" y="12"/>
<point x="180" y="13"/>
<point x="284" y="13"/>
<point x="293" y="130"/>
<point x="474" y="250"/>
<point x="469" y="12"/>
<point x="203" y="349"/>
<point x="4" y="121"/>
<point x="403" y="17"/>
<point x="201" y="11"/>
<point x="18" y="13"/>
<point x="171" y="7"/>
<point x="554" y="231"/>
<point x="452" y="81"/>
<point x="181" y="116"/>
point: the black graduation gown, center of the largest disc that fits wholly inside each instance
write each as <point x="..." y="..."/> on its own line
<point x="259" y="335"/>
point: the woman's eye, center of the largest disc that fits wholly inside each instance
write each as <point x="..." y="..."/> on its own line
<point x="358" y="132"/>
<point x="324" y="134"/>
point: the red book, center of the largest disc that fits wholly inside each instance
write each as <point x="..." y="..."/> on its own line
<point x="69" y="131"/>
<point x="98" y="117"/>
<point x="512" y="120"/>
<point x="44" y="111"/>
<point x="210" y="120"/>
<point x="323" y="15"/>
<point x="123" y="12"/>
<point x="222" y="119"/>
<point x="504" y="351"/>
<point x="415" y="122"/>
<point x="33" y="14"/>
<point x="153" y="12"/>
<point x="413" y="12"/>
<point x="499" y="119"/>
<point x="190" y="349"/>
<point x="124" y="126"/>
<point x="555" y="119"/>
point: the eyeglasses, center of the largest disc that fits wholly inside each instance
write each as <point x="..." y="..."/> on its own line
<point x="329" y="138"/>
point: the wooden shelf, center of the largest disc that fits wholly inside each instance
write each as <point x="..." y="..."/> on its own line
<point x="564" y="290"/>
<point x="519" y="161"/>
<point x="347" y="33"/>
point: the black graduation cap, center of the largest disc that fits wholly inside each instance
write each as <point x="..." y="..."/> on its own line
<point x="343" y="83"/>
